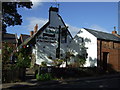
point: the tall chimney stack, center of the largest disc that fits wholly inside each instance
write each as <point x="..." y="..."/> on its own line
<point x="35" y="28"/>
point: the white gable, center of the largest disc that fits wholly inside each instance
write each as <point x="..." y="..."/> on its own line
<point x="47" y="41"/>
<point x="91" y="44"/>
<point x="85" y="38"/>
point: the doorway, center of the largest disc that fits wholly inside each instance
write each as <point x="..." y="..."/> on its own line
<point x="105" y="60"/>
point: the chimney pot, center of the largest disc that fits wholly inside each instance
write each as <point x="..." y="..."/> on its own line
<point x="35" y="28"/>
<point x="114" y="32"/>
<point x="53" y="9"/>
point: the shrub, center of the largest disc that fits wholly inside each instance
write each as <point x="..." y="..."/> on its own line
<point x="57" y="62"/>
<point x="43" y="64"/>
<point x="23" y="60"/>
<point x="44" y="77"/>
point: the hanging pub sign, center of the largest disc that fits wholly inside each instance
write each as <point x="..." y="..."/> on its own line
<point x="48" y="35"/>
<point x="51" y="30"/>
<point x="48" y="39"/>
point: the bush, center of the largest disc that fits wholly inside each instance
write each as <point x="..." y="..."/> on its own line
<point x="57" y="62"/>
<point x="43" y="64"/>
<point x="44" y="77"/>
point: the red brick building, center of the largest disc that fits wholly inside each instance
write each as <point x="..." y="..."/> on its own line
<point x="10" y="39"/>
<point x="109" y="53"/>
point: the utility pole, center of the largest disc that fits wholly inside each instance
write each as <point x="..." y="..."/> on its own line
<point x="119" y="17"/>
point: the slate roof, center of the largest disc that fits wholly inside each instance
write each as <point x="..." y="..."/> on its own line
<point x="32" y="39"/>
<point x="65" y="25"/>
<point x="9" y="38"/>
<point x="103" y="35"/>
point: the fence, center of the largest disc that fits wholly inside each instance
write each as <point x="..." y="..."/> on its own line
<point x="13" y="75"/>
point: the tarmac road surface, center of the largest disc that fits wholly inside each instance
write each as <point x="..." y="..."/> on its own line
<point x="109" y="81"/>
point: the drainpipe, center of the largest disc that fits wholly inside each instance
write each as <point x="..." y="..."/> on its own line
<point x="100" y="62"/>
<point x="59" y="40"/>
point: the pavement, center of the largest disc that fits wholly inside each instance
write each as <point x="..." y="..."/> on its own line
<point x="33" y="83"/>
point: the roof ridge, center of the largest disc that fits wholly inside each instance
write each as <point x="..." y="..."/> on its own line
<point x="98" y="31"/>
<point x="103" y="35"/>
<point x="25" y="34"/>
<point x="9" y="33"/>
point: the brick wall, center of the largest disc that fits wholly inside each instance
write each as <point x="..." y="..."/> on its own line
<point x="119" y="58"/>
<point x="113" y="50"/>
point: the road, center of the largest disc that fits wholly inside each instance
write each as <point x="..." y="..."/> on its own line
<point x="108" y="81"/>
<point x="102" y="83"/>
<point x="98" y="83"/>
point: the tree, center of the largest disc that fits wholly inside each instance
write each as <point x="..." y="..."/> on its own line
<point x="67" y="58"/>
<point x="23" y="58"/>
<point x="10" y="15"/>
<point x="80" y="60"/>
<point x="7" y="50"/>
<point x="23" y="61"/>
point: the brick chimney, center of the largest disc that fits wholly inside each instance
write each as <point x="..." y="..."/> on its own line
<point x="31" y="33"/>
<point x="115" y="32"/>
<point x="55" y="9"/>
<point x="35" y="28"/>
<point x="53" y="15"/>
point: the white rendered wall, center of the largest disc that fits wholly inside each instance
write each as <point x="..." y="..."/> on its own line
<point x="92" y="48"/>
<point x="46" y="49"/>
<point x="90" y="43"/>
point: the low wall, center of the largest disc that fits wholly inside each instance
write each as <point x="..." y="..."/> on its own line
<point x="70" y="72"/>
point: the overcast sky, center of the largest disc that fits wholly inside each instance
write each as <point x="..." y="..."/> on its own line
<point x="102" y="16"/>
